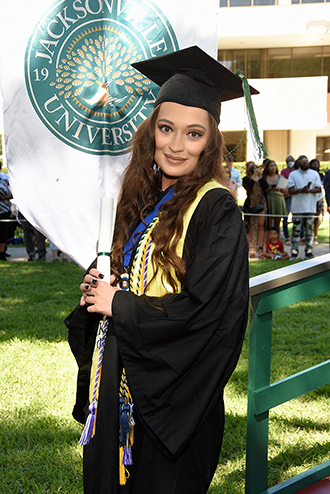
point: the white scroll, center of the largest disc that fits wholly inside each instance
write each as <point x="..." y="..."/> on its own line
<point x="106" y="228"/>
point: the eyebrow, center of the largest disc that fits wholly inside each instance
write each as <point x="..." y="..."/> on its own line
<point x="164" y="120"/>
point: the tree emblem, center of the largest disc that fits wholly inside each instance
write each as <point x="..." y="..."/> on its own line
<point x="97" y="74"/>
<point x="78" y="70"/>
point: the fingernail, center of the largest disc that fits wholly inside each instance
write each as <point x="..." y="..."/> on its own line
<point x="86" y="287"/>
<point x="94" y="281"/>
<point x="101" y="276"/>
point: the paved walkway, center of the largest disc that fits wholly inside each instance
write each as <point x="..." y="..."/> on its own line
<point x="318" y="250"/>
<point x="18" y="253"/>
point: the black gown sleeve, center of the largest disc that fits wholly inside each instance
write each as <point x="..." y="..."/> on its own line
<point x="179" y="351"/>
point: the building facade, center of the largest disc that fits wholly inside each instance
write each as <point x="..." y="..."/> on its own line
<point x="283" y="48"/>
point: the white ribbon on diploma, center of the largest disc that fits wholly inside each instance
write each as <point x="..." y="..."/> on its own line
<point x="106" y="228"/>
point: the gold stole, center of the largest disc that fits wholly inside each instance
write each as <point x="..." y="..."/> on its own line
<point x="143" y="270"/>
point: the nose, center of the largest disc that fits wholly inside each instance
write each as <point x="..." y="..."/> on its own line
<point x="176" y="144"/>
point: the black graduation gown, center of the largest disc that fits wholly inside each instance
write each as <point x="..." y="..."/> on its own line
<point x="179" y="352"/>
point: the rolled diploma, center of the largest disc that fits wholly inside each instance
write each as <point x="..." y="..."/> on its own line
<point x="106" y="227"/>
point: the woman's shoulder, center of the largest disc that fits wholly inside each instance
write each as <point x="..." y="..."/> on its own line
<point x="215" y="201"/>
<point x="215" y="191"/>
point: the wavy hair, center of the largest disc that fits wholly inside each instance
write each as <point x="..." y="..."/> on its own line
<point x="140" y="187"/>
<point x="266" y="169"/>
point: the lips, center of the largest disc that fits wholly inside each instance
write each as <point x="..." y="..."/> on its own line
<point x="174" y="160"/>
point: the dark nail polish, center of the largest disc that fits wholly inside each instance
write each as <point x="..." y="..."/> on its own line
<point x="101" y="276"/>
<point x="86" y="287"/>
<point x="94" y="281"/>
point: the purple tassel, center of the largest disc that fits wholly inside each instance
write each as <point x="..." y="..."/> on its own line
<point x="124" y="422"/>
<point x="86" y="435"/>
<point x="127" y="456"/>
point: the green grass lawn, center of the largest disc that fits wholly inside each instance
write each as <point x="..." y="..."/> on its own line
<point x="39" y="450"/>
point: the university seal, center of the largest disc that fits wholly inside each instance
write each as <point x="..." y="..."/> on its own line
<point x="78" y="70"/>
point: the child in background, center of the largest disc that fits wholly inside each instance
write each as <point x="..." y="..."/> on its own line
<point x="274" y="246"/>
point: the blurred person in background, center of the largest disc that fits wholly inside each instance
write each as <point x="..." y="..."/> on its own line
<point x="285" y="173"/>
<point x="304" y="184"/>
<point x="275" y="197"/>
<point x="5" y="212"/>
<point x="255" y="207"/>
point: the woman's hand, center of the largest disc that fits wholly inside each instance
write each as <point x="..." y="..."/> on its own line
<point x="97" y="294"/>
<point x="256" y="176"/>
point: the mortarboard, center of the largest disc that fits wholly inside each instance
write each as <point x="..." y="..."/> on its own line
<point x="191" y="77"/>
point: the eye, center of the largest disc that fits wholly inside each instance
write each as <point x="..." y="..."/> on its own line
<point x="194" y="134"/>
<point x="165" y="128"/>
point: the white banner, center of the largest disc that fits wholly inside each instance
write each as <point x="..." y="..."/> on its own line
<point x="72" y="101"/>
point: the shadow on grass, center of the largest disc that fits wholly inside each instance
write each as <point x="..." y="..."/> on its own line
<point x="295" y="456"/>
<point x="39" y="454"/>
<point x="35" y="298"/>
<point x="279" y="467"/>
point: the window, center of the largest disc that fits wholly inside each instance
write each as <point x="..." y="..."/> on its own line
<point x="306" y="61"/>
<point x="308" y="1"/>
<point x="233" y="60"/>
<point x="247" y="3"/>
<point x="253" y="64"/>
<point x="323" y="148"/>
<point x="326" y="62"/>
<point x="278" y="62"/>
<point x="239" y="3"/>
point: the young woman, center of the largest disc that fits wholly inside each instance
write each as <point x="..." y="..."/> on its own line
<point x="174" y="338"/>
<point x="275" y="197"/>
<point x="255" y="207"/>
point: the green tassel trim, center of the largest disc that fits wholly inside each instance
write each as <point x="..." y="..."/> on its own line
<point x="259" y="145"/>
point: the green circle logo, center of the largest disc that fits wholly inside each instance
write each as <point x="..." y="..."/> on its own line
<point x="78" y="70"/>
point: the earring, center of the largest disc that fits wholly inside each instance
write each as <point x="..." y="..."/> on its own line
<point x="155" y="167"/>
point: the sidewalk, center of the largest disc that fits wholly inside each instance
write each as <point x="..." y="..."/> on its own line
<point x="18" y="254"/>
<point x="318" y="250"/>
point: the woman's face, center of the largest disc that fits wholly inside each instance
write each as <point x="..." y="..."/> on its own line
<point x="181" y="134"/>
<point x="272" y="168"/>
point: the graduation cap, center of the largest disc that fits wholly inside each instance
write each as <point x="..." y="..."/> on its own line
<point x="191" y="77"/>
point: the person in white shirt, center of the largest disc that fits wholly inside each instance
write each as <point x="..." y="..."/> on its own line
<point x="303" y="185"/>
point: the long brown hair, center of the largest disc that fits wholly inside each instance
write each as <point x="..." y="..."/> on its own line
<point x="140" y="186"/>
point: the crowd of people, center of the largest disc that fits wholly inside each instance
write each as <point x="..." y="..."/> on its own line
<point x="272" y="196"/>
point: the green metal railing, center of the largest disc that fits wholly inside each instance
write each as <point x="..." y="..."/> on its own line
<point x="269" y="292"/>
